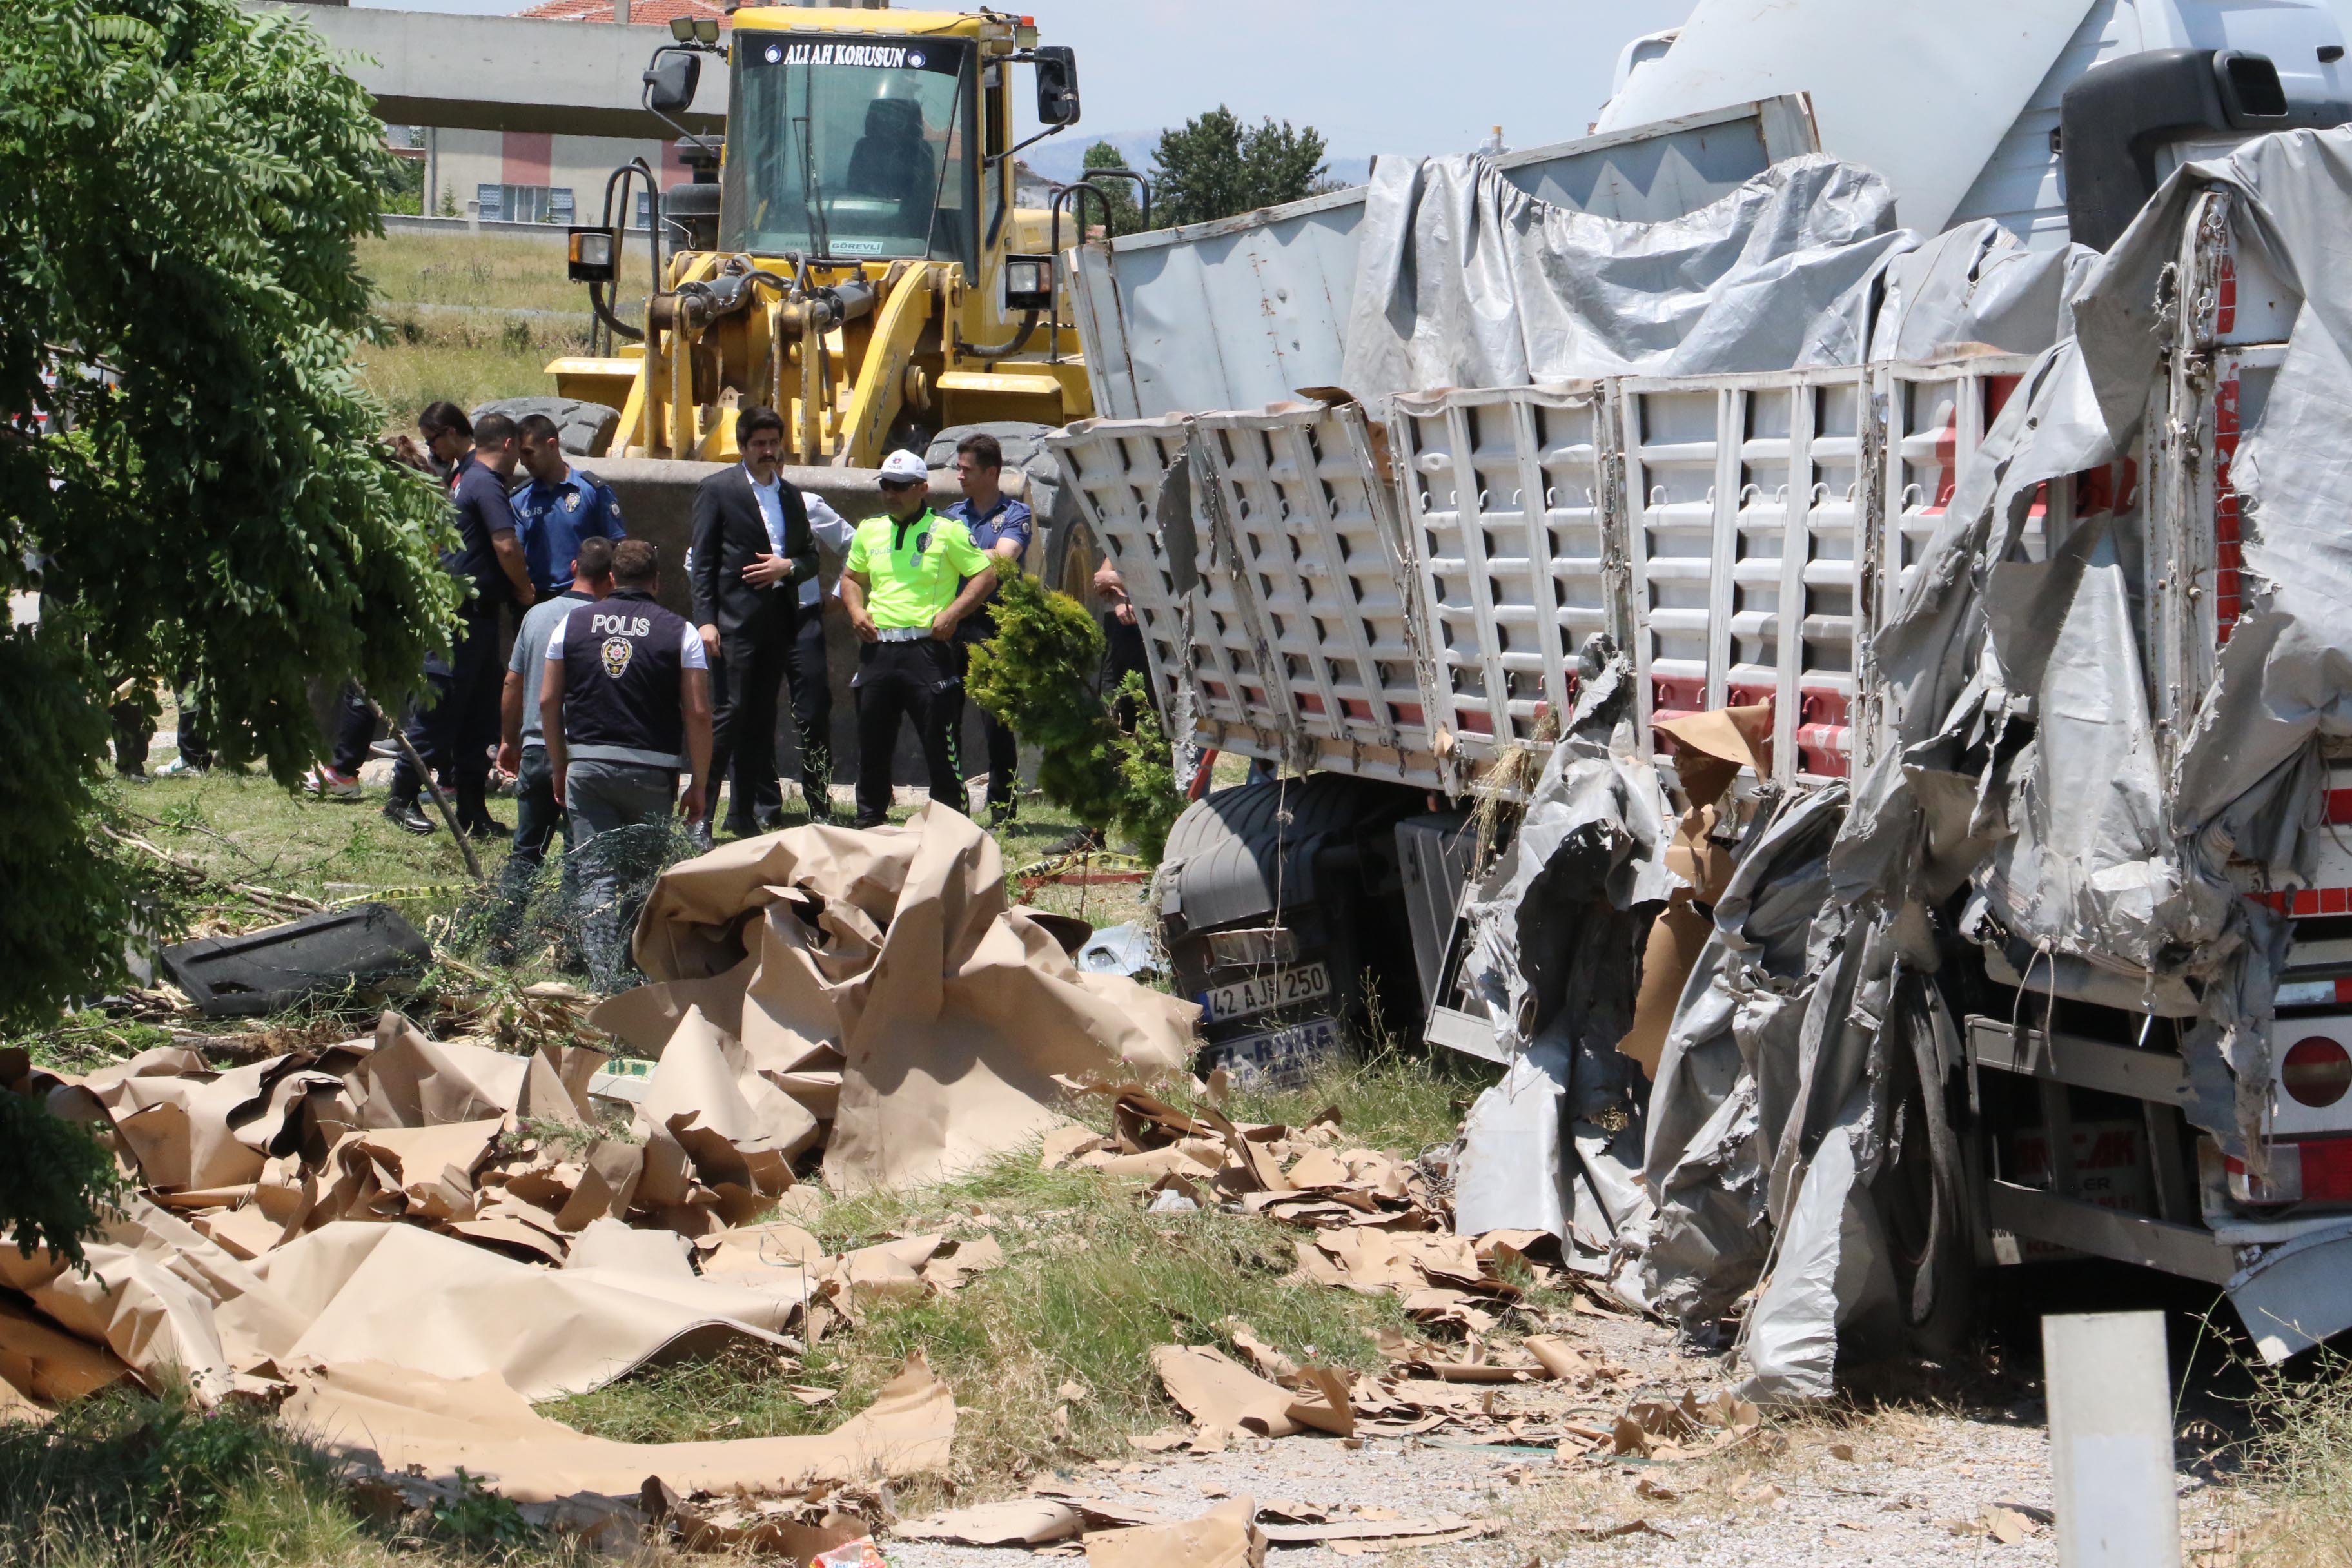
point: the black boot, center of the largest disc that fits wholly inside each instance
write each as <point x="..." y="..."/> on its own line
<point x="403" y="815"/>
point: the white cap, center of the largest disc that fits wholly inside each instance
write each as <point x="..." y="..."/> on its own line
<point x="903" y="465"/>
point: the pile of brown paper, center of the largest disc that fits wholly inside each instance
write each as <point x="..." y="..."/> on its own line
<point x="383" y="1233"/>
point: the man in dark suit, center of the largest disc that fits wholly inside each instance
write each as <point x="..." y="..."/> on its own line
<point x="752" y="551"/>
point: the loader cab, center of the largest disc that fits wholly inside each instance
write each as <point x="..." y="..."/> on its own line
<point x="853" y="148"/>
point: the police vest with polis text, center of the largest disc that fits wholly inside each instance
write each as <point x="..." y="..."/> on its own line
<point x="622" y="660"/>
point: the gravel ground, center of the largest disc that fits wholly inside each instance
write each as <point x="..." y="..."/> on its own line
<point x="1901" y="1483"/>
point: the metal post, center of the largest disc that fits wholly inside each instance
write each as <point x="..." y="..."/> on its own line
<point x="2110" y="1394"/>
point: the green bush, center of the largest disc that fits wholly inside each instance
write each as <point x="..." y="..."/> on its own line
<point x="56" y="1181"/>
<point x="1036" y="675"/>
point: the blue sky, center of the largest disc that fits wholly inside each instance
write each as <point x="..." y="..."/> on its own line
<point x="1375" y="76"/>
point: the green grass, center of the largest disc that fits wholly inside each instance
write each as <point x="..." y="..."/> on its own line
<point x="241" y="828"/>
<point x="516" y="311"/>
<point x="127" y="1479"/>
<point x="1091" y="1284"/>
<point x="2300" y="1461"/>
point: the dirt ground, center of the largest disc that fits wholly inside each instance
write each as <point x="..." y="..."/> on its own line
<point x="1911" y="1485"/>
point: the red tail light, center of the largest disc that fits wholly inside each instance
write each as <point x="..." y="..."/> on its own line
<point x="2316" y="1071"/>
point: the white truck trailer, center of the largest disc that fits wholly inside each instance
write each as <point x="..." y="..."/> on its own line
<point x="2116" y="886"/>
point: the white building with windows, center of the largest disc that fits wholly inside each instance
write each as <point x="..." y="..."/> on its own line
<point x="532" y="177"/>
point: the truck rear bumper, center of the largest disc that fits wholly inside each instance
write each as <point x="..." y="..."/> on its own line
<point x="2297" y="1294"/>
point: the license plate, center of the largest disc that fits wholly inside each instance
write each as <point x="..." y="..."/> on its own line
<point x="1279" y="1059"/>
<point x="1265" y="993"/>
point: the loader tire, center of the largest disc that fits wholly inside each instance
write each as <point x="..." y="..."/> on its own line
<point x="585" y="428"/>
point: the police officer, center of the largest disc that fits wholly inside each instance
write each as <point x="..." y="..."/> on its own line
<point x="911" y="578"/>
<point x="448" y="435"/>
<point x="522" y="746"/>
<point x="625" y="709"/>
<point x="455" y="733"/>
<point x="560" y="507"/>
<point x="1001" y="526"/>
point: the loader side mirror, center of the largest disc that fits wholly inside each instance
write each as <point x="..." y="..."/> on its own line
<point x="670" y="81"/>
<point x="1057" y="85"/>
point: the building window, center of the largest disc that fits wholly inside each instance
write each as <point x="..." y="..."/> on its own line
<point x="525" y="204"/>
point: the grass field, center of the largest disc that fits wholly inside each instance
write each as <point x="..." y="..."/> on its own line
<point x="467" y="319"/>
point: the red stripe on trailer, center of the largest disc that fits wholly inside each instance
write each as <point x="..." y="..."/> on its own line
<point x="1672" y="697"/>
<point x="2111" y="487"/>
<point x="2308" y="901"/>
<point x="1824" y="738"/>
<point x="1478" y="724"/>
<point x="2225" y="296"/>
<point x="2339" y="805"/>
<point x="1309" y="702"/>
<point x="1948" y="463"/>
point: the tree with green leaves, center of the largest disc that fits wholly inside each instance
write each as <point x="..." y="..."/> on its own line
<point x="1125" y="216"/>
<point x="192" y="482"/>
<point x="1216" y="167"/>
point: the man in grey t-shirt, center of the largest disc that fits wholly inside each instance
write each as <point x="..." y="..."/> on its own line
<point x="521" y="750"/>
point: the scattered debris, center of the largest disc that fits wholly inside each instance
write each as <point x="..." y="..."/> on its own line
<point x="271" y="970"/>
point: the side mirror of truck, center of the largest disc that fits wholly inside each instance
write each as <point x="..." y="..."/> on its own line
<point x="670" y="82"/>
<point x="1057" y="85"/>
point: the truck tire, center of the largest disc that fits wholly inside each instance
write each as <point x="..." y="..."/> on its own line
<point x="1922" y="1191"/>
<point x="585" y="428"/>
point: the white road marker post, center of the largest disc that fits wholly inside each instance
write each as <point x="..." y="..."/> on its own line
<point x="2110" y="1396"/>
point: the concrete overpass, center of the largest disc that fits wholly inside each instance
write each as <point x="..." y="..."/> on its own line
<point x="507" y="73"/>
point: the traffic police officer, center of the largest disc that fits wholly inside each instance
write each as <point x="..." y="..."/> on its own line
<point x="1001" y="526"/>
<point x="911" y="579"/>
<point x="562" y="506"/>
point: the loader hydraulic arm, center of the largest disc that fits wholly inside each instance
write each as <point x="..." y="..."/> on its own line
<point x="880" y="389"/>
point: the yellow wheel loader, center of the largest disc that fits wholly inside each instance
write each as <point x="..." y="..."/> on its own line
<point x="852" y="256"/>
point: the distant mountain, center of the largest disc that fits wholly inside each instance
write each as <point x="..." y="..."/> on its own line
<point x="1063" y="158"/>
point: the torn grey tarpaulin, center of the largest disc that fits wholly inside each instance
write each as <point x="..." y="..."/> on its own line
<point x="2029" y="797"/>
<point x="1463" y="280"/>
<point x="1709" y="1143"/>
<point x="1556" y="938"/>
<point x="1976" y="284"/>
